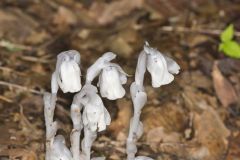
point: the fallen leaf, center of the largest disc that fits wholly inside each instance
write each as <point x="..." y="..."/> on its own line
<point x="234" y="151"/>
<point x="64" y="17"/>
<point x="170" y="116"/>
<point x="197" y="101"/>
<point x="37" y="37"/>
<point x="211" y="132"/>
<point x="16" y="25"/>
<point x="223" y="88"/>
<point x="107" y="13"/>
<point x="120" y="46"/>
<point x="159" y="135"/>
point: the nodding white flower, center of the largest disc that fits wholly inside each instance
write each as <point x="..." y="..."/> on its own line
<point x="110" y="81"/>
<point x="95" y="69"/>
<point x="67" y="74"/>
<point x="160" y="67"/>
<point x="95" y="115"/>
<point x="59" y="150"/>
<point x="111" y="76"/>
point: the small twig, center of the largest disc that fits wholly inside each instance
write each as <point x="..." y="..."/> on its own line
<point x="11" y="85"/>
<point x="216" y="32"/>
<point x="11" y="70"/>
<point x="13" y="46"/>
<point x="35" y="59"/>
<point x="25" y="121"/>
<point x="5" y="99"/>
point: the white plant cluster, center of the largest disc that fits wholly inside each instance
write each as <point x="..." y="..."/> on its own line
<point x="161" y="69"/>
<point x="88" y="112"/>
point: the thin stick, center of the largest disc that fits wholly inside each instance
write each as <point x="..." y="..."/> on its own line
<point x="11" y="70"/>
<point x="216" y="32"/>
<point x="76" y="131"/>
<point x="35" y="59"/>
<point x="10" y="45"/>
<point x="51" y="126"/>
<point x="5" y="99"/>
<point x="11" y="85"/>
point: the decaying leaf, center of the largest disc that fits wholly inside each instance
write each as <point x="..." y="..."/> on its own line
<point x="158" y="135"/>
<point x="106" y="14"/>
<point x="64" y="17"/>
<point x="169" y="116"/>
<point x="223" y="88"/>
<point x="211" y="132"/>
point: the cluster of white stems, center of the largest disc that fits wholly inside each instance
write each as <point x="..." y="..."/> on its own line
<point x="88" y="112"/>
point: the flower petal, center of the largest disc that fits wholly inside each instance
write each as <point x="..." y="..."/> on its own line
<point x="107" y="116"/>
<point x="70" y="76"/>
<point x="173" y="67"/>
<point x="157" y="66"/>
<point x="110" y="83"/>
<point x="123" y="75"/>
<point x="67" y="73"/>
<point x="60" y="150"/>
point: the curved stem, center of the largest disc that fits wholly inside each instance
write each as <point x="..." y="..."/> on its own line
<point x="135" y="130"/>
<point x="141" y="68"/>
<point x="89" y="137"/>
<point x="76" y="131"/>
<point x="51" y="126"/>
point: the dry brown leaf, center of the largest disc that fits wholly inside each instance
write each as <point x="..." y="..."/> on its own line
<point x="64" y="17"/>
<point x="119" y="45"/>
<point x="37" y="37"/>
<point x="197" y="101"/>
<point x="211" y="132"/>
<point x="16" y="26"/>
<point x="234" y="150"/>
<point x="188" y="150"/>
<point x="105" y="14"/>
<point x="196" y="79"/>
<point x="224" y="89"/>
<point x="170" y="116"/>
<point x="157" y="135"/>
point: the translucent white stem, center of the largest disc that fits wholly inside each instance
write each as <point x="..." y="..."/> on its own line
<point x="135" y="133"/>
<point x="76" y="131"/>
<point x="89" y="137"/>
<point x="141" y="68"/>
<point x="51" y="127"/>
<point x="139" y="99"/>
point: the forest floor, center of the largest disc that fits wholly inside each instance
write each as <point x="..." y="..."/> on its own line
<point x="197" y="117"/>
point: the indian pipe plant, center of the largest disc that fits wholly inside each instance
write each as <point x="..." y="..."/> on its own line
<point x="88" y="112"/>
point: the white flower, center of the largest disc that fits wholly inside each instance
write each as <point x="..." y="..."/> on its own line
<point x="95" y="69"/>
<point x="67" y="74"/>
<point x="173" y="67"/>
<point x="95" y="115"/>
<point x="110" y="82"/>
<point x="111" y="76"/>
<point x="59" y="150"/>
<point x="160" y="67"/>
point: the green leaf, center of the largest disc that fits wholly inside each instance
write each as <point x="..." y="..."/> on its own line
<point x="230" y="48"/>
<point x="227" y="34"/>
